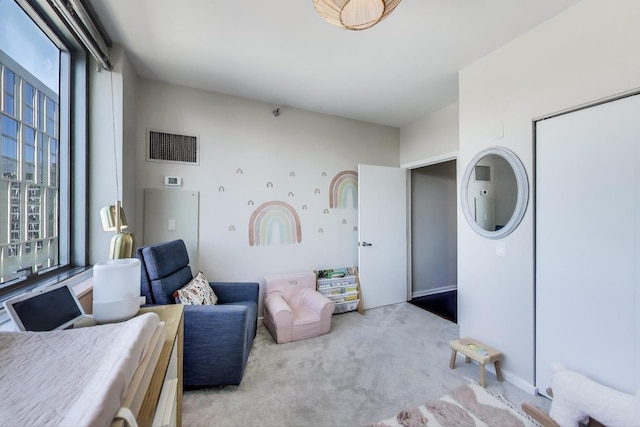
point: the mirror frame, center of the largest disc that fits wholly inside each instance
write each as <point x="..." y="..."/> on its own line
<point x="522" y="199"/>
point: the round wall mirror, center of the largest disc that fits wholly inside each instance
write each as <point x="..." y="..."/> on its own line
<point x="495" y="192"/>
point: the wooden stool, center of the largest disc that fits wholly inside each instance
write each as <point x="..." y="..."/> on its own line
<point x="480" y="352"/>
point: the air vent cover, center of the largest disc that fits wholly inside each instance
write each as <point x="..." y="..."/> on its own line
<point x="172" y="147"/>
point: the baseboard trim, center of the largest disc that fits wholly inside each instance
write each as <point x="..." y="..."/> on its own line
<point x="434" y="291"/>
<point x="519" y="382"/>
<point x="509" y="377"/>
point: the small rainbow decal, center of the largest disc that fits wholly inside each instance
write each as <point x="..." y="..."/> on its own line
<point x="274" y="220"/>
<point x="344" y="184"/>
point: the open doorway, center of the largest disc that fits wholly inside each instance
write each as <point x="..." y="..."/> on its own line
<point x="434" y="250"/>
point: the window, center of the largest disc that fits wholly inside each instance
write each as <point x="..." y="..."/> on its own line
<point x="28" y="104"/>
<point x="43" y="122"/>
<point x="9" y="89"/>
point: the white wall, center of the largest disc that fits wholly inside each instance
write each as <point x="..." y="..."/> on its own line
<point x="433" y="228"/>
<point x="243" y="147"/>
<point x="586" y="53"/>
<point x="102" y="158"/>
<point x="429" y="140"/>
<point x="433" y="135"/>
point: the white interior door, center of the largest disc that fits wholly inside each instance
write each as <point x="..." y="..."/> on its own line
<point x="382" y="235"/>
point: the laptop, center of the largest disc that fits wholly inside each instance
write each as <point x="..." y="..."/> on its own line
<point x="45" y="309"/>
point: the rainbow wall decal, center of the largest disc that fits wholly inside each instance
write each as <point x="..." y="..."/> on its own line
<point x="274" y="221"/>
<point x="344" y="184"/>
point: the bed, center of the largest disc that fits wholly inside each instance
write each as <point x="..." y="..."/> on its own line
<point x="78" y="376"/>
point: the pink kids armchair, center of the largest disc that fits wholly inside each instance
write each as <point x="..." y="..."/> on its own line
<point x="294" y="310"/>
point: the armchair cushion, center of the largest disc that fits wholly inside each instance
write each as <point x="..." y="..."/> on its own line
<point x="217" y="342"/>
<point x="167" y="266"/>
<point x="229" y="292"/>
<point x="317" y="303"/>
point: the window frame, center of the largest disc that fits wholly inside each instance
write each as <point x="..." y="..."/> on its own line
<point x="72" y="154"/>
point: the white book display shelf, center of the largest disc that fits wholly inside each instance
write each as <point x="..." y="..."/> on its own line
<point x="342" y="286"/>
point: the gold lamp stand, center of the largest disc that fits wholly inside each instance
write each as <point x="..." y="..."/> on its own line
<point x="122" y="243"/>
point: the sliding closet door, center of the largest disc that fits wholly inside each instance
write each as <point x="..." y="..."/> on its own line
<point x="588" y="244"/>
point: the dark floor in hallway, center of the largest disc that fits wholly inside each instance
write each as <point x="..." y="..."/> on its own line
<point x="444" y="304"/>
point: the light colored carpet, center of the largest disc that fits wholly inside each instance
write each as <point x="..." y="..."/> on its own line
<point x="368" y="368"/>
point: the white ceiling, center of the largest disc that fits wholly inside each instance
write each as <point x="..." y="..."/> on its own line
<point x="281" y="52"/>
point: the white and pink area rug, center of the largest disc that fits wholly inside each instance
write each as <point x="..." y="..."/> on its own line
<point x="470" y="405"/>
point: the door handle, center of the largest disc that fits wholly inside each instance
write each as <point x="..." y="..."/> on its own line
<point x="366" y="244"/>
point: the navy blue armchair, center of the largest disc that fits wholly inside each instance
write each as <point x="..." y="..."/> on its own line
<point x="217" y="338"/>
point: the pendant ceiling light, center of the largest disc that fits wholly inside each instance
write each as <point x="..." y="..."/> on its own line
<point x="355" y="14"/>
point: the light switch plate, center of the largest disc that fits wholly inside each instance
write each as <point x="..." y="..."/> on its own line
<point x="501" y="249"/>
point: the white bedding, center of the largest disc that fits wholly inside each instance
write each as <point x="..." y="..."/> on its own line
<point x="75" y="377"/>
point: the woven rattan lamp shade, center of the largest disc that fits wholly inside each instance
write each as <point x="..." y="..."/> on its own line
<point x="355" y="14"/>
